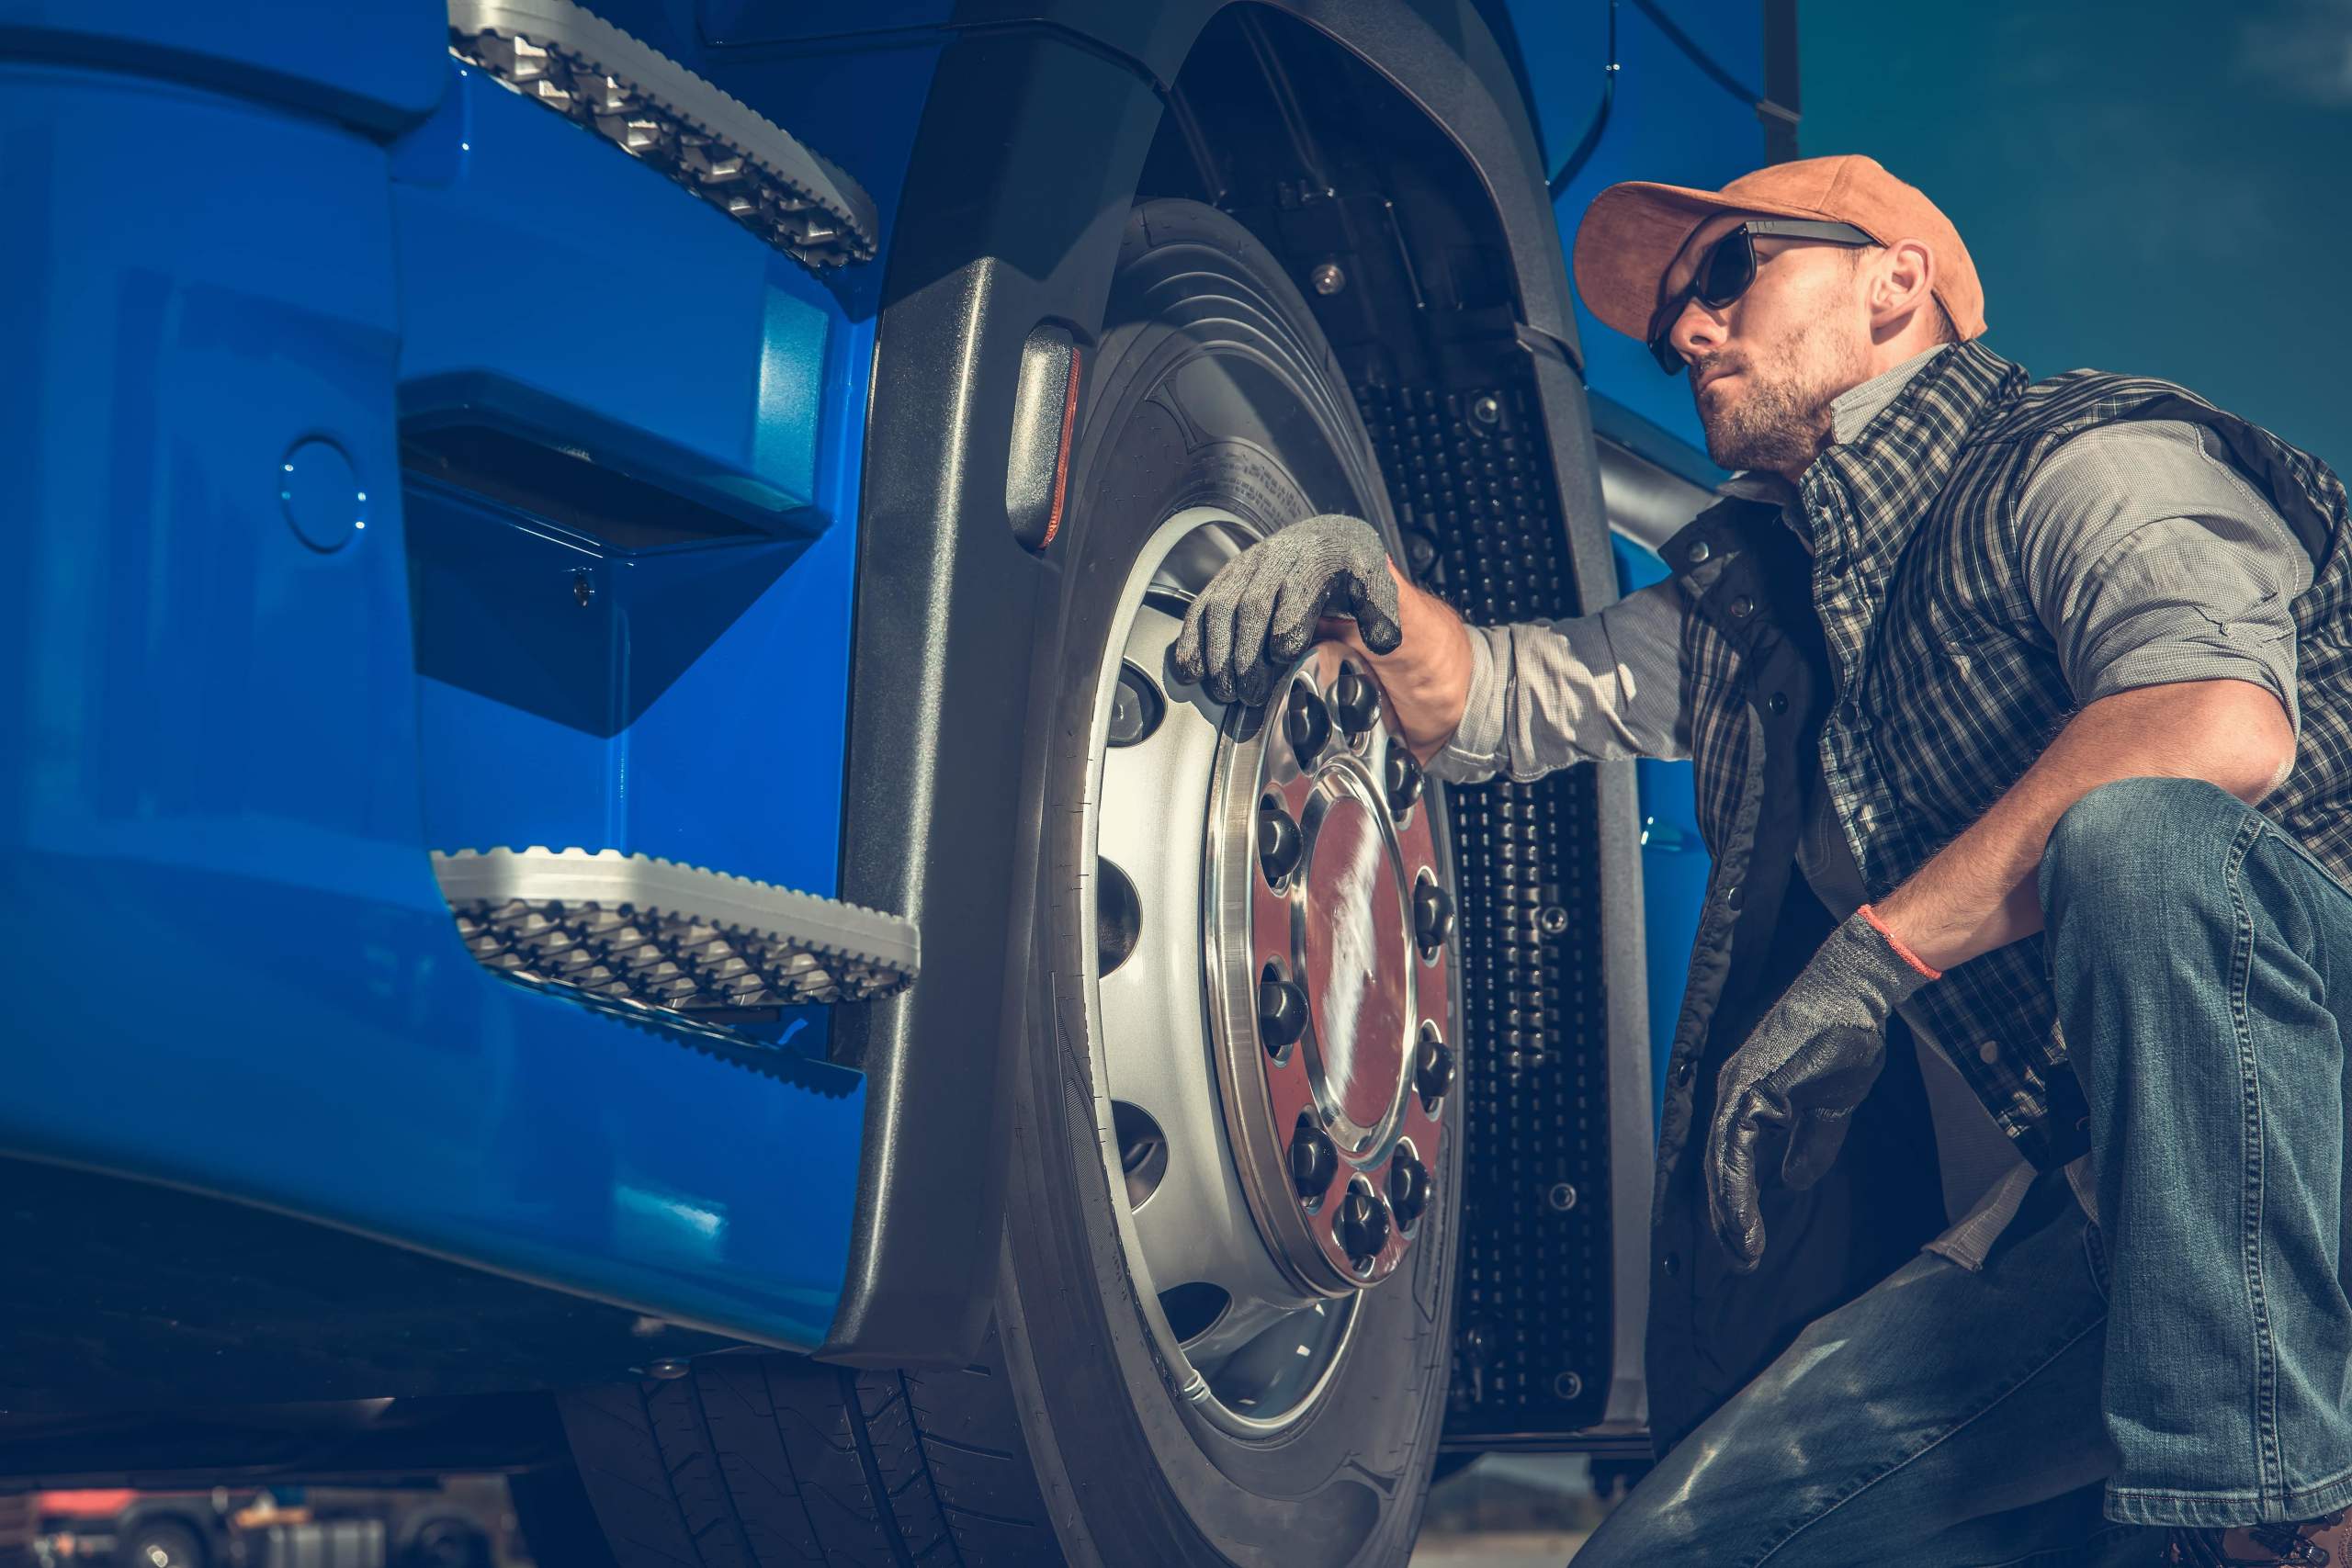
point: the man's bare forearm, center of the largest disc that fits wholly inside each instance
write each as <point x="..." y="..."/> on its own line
<point x="1979" y="892"/>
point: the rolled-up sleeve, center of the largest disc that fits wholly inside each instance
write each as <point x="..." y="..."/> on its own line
<point x="1596" y="687"/>
<point x="2151" y="560"/>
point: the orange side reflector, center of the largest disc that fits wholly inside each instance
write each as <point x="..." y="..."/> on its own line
<point x="1061" y="456"/>
<point x="1044" y="414"/>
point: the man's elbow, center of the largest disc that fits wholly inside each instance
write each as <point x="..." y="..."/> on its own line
<point x="2252" y="745"/>
<point x="2258" y="786"/>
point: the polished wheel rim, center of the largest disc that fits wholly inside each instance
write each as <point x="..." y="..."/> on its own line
<point x="1268" y="985"/>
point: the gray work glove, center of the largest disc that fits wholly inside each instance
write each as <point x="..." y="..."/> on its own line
<point x="1790" y="1091"/>
<point x="1257" y="614"/>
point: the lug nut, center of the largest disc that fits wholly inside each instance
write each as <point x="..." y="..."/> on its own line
<point x="1362" y="1227"/>
<point x="1432" y="1069"/>
<point x="1307" y="722"/>
<point x="1278" y="843"/>
<point x="1281" y="1014"/>
<point x="1409" y="1188"/>
<point x="1432" y="915"/>
<point x="1135" y="708"/>
<point x="1313" y="1161"/>
<point x="1403" y="778"/>
<point x="1358" y="701"/>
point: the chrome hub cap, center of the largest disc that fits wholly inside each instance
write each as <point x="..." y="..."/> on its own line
<point x="1330" y="1124"/>
<point x="1269" y="991"/>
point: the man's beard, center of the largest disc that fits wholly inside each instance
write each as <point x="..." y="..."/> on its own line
<point x="1779" y="419"/>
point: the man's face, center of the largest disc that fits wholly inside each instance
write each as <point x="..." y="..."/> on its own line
<point x="1764" y="368"/>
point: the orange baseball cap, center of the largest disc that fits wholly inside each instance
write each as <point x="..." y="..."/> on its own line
<point x="1633" y="231"/>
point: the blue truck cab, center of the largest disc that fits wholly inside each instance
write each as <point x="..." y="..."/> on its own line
<point x="605" y="876"/>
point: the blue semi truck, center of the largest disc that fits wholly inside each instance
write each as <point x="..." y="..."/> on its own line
<point x="605" y="878"/>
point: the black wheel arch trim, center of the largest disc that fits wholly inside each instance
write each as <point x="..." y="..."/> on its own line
<point x="1027" y="158"/>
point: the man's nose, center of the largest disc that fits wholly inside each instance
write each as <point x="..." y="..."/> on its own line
<point x="1696" y="333"/>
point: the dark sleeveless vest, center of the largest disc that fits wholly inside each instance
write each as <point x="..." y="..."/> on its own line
<point x="1942" y="686"/>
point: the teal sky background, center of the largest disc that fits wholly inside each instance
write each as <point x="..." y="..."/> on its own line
<point x="2162" y="188"/>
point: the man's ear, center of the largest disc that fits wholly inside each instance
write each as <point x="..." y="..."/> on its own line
<point x="1902" y="281"/>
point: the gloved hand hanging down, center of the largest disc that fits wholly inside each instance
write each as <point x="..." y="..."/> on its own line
<point x="1789" y="1092"/>
<point x="1261" y="608"/>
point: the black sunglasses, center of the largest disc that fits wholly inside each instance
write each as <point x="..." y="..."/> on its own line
<point x="1729" y="266"/>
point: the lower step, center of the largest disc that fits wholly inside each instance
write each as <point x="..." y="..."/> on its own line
<point x="641" y="932"/>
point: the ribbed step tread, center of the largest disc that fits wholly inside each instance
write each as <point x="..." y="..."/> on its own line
<point x="634" y="930"/>
<point x="571" y="61"/>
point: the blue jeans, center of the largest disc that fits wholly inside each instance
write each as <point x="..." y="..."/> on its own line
<point x="2196" y="949"/>
<point x="2191" y="1363"/>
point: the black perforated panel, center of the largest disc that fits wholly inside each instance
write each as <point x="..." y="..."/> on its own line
<point x="1471" y="480"/>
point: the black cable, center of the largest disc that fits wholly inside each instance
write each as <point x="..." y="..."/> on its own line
<point x="1577" y="159"/>
<point x="1681" y="41"/>
<point x="1699" y="57"/>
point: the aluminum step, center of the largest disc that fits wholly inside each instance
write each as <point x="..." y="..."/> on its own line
<point x="638" y="932"/>
<point x="655" y="110"/>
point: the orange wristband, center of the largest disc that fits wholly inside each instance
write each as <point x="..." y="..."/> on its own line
<point x="1896" y="942"/>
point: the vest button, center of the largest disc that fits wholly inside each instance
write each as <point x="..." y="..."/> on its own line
<point x="1741" y="607"/>
<point x="1671" y="1264"/>
<point x="1681" y="1074"/>
<point x="1731" y="896"/>
<point x="1699" y="552"/>
<point x="1780" y="702"/>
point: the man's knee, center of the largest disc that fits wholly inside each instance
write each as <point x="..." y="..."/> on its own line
<point x="2138" y="840"/>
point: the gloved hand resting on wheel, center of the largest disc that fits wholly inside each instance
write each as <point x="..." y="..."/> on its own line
<point x="1791" y="1090"/>
<point x="1259" y="611"/>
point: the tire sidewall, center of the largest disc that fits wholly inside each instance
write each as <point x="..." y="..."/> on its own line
<point x="1105" y="1400"/>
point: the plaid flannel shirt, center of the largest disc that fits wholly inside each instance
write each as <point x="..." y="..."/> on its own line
<point x="1947" y="685"/>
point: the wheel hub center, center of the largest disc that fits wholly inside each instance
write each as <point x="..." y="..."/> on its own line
<point x="1355" y="962"/>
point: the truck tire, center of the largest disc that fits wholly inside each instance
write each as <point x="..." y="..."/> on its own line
<point x="1105" y="1421"/>
<point x="445" y="1540"/>
<point x="161" y="1543"/>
